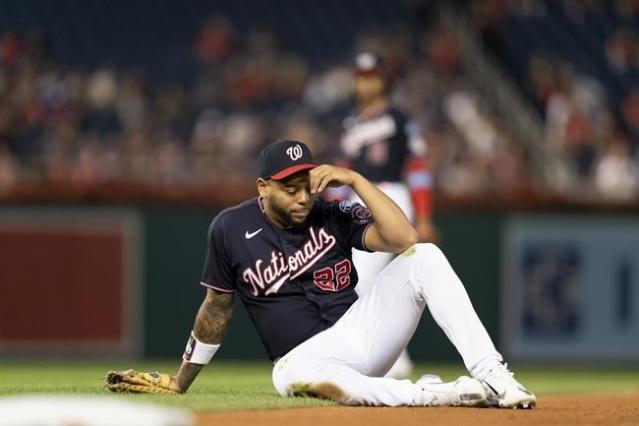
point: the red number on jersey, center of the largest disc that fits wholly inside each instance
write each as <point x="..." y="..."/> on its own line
<point x="325" y="278"/>
<point x="343" y="270"/>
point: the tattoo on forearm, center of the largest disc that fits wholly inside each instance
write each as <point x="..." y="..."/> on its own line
<point x="210" y="326"/>
<point x="213" y="318"/>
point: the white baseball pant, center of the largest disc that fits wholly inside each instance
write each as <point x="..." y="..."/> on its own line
<point x="369" y="265"/>
<point x="345" y="361"/>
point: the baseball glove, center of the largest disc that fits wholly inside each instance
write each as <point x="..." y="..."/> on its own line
<point x="136" y="382"/>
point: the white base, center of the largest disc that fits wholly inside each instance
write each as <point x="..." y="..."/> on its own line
<point x="58" y="410"/>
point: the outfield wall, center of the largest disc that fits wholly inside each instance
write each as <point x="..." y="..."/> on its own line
<point x="139" y="297"/>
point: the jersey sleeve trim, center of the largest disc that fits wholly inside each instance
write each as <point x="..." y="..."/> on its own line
<point x="223" y="290"/>
<point x="364" y="238"/>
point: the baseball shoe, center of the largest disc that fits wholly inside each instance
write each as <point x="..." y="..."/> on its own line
<point x="506" y="392"/>
<point x="463" y="392"/>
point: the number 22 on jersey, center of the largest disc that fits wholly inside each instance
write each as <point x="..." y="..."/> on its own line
<point x="333" y="278"/>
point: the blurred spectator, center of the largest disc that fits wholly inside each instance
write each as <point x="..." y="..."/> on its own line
<point x="630" y="110"/>
<point x="616" y="174"/>
<point x="61" y="148"/>
<point x="443" y="50"/>
<point x="206" y="144"/>
<point x="327" y="90"/>
<point x="10" y="48"/>
<point x="89" y="167"/>
<point x="487" y="162"/>
<point x="101" y="93"/>
<point x="135" y="158"/>
<point x="170" y="162"/>
<point x="216" y="41"/>
<point x="621" y="50"/>
<point x="131" y="103"/>
<point x="542" y="79"/>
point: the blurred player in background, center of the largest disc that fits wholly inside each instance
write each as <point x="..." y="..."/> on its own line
<point x="384" y="145"/>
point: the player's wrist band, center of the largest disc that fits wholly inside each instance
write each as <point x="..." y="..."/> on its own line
<point x="197" y="352"/>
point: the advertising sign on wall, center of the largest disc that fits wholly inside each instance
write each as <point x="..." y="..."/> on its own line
<point x="570" y="288"/>
<point x="70" y="282"/>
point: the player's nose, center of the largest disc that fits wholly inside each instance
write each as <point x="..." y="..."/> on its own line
<point x="303" y="196"/>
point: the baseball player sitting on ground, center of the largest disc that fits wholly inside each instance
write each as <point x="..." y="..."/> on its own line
<point x="288" y="255"/>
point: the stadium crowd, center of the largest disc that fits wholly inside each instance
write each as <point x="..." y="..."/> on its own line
<point x="581" y="70"/>
<point x="60" y="124"/>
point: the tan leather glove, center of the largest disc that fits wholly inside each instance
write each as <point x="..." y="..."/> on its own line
<point x="136" y="382"/>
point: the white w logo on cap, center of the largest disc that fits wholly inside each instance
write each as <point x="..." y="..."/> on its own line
<point x="294" y="152"/>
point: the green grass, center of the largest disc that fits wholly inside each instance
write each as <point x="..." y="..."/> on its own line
<point x="228" y="386"/>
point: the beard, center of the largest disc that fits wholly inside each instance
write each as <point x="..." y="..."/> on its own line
<point x="281" y="214"/>
<point x="284" y="217"/>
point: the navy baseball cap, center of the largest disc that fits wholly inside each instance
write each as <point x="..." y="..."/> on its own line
<point x="278" y="160"/>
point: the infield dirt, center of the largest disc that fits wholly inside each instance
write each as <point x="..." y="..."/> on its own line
<point x="586" y="409"/>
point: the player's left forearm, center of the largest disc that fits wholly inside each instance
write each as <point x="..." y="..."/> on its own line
<point x="392" y="232"/>
<point x="394" y="227"/>
<point x="186" y="375"/>
<point x="211" y="323"/>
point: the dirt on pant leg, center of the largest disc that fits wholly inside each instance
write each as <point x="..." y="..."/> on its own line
<point x="325" y="390"/>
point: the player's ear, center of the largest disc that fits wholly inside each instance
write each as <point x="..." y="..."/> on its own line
<point x="262" y="187"/>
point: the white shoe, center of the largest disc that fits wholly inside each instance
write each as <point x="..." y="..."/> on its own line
<point x="463" y="392"/>
<point x="506" y="392"/>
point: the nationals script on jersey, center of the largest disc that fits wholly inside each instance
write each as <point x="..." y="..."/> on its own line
<point x="294" y="282"/>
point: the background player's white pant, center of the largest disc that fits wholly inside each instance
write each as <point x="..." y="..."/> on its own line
<point x="369" y="265"/>
<point x="345" y="361"/>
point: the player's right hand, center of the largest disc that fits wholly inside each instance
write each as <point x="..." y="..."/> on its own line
<point x="327" y="175"/>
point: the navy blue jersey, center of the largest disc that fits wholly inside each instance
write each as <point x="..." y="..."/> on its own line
<point x="294" y="282"/>
<point x="378" y="147"/>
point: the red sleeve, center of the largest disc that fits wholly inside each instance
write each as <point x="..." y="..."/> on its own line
<point x="420" y="182"/>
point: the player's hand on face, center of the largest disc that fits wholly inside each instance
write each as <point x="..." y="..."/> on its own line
<point x="327" y="175"/>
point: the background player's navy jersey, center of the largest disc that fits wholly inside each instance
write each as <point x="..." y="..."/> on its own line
<point x="378" y="147"/>
<point x="294" y="282"/>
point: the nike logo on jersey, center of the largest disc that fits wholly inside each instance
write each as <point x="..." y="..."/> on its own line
<point x="248" y="235"/>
